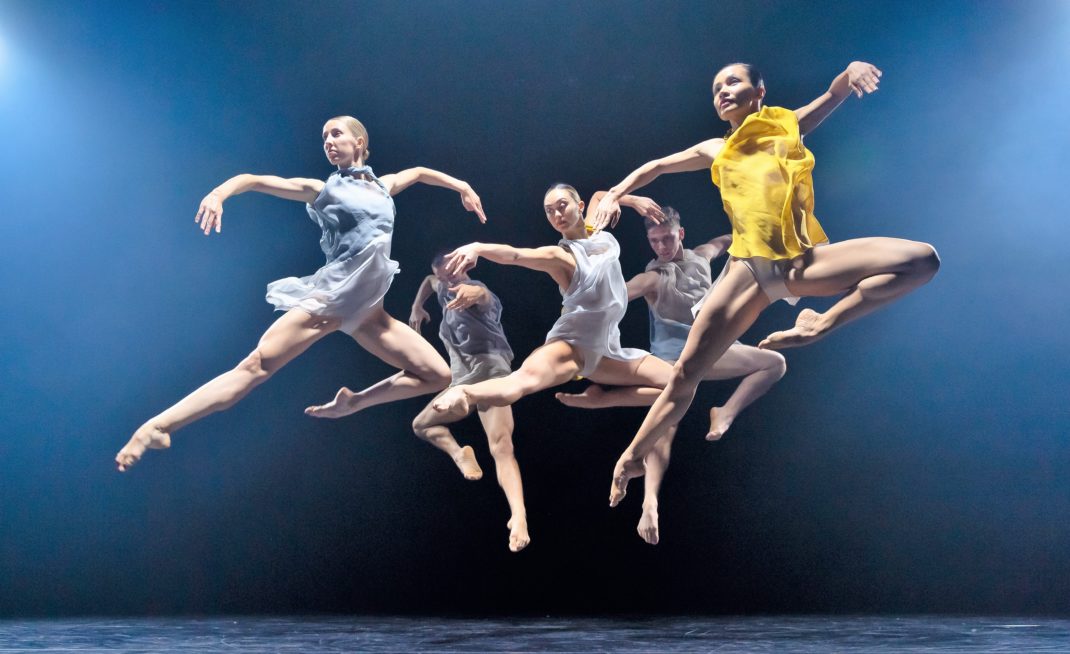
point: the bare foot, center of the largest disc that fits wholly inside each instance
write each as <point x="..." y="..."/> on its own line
<point x="648" y="524"/>
<point x="809" y="326"/>
<point x="453" y="400"/>
<point x="590" y="398"/>
<point x="148" y="437"/>
<point x="720" y="421"/>
<point x="466" y="461"/>
<point x="518" y="533"/>
<point x="345" y="403"/>
<point x="623" y="472"/>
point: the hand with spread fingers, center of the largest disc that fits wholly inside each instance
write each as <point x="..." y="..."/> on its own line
<point x="462" y="259"/>
<point x="465" y="295"/>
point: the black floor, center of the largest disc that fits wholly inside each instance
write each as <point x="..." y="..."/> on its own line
<point x="361" y="634"/>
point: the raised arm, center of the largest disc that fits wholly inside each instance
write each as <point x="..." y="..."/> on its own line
<point x="552" y="260"/>
<point x="419" y="315"/>
<point x="858" y="78"/>
<point x="714" y="247"/>
<point x="697" y="157"/>
<point x="397" y="182"/>
<point x="643" y="285"/>
<point x="210" y="213"/>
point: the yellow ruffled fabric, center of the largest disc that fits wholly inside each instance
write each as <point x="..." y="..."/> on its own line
<point x="764" y="174"/>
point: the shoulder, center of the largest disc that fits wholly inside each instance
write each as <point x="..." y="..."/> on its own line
<point x="709" y="147"/>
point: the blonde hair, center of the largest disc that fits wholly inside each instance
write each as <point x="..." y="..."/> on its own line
<point x="568" y="188"/>
<point x="357" y="129"/>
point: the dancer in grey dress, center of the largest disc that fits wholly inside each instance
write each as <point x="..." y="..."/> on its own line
<point x="355" y="212"/>
<point x="471" y="330"/>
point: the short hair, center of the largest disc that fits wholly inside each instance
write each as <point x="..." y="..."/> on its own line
<point x="439" y="258"/>
<point x="358" y="129"/>
<point x="672" y="219"/>
<point x="561" y="186"/>
<point x="753" y="73"/>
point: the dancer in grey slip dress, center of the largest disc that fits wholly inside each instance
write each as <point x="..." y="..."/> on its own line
<point x="355" y="212"/>
<point x="585" y="340"/>
<point x="672" y="284"/>
<point x="471" y="330"/>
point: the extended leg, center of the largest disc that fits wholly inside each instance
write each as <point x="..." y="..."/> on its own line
<point x="732" y="306"/>
<point x="287" y="337"/>
<point x="656" y="462"/>
<point x="551" y="364"/>
<point x="498" y="423"/>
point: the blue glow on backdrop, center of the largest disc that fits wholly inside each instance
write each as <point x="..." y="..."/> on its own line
<point x="915" y="461"/>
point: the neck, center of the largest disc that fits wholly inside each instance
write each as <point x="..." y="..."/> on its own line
<point x="575" y="232"/>
<point x="355" y="164"/>
<point x="736" y="122"/>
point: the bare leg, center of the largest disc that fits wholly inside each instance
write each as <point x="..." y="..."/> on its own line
<point x="760" y="369"/>
<point x="551" y="364"/>
<point x="498" y="424"/>
<point x="732" y="306"/>
<point x="871" y="271"/>
<point x="422" y="368"/>
<point x="287" y="337"/>
<point x="656" y="463"/>
<point x="430" y="426"/>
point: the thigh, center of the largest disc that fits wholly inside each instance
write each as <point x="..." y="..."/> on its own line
<point x="729" y="310"/>
<point x="397" y="344"/>
<point x="549" y="365"/>
<point x="835" y="268"/>
<point x="291" y="335"/>
<point x="497" y="420"/>
<point x="648" y="371"/>
<point x="741" y="360"/>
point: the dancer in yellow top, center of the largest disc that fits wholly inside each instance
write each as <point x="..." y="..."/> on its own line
<point x="763" y="171"/>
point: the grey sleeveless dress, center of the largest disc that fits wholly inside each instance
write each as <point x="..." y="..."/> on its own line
<point x="474" y="338"/>
<point x="681" y="285"/>
<point x="357" y="219"/>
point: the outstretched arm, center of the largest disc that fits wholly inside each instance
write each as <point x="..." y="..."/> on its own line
<point x="550" y="259"/>
<point x="210" y="213"/>
<point x="398" y="182"/>
<point x="697" y="157"/>
<point x="714" y="248"/>
<point x="642" y="285"/>
<point x="859" y="78"/>
<point x="419" y="315"/>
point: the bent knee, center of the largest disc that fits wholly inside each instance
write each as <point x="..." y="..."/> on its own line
<point x="258" y="366"/>
<point x="925" y="260"/>
<point x="501" y="445"/>
<point x="777" y="364"/>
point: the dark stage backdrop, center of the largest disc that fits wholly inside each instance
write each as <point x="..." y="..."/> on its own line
<point x="915" y="461"/>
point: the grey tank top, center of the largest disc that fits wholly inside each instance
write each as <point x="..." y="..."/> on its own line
<point x="681" y="284"/>
<point x="352" y="212"/>
<point x="475" y="330"/>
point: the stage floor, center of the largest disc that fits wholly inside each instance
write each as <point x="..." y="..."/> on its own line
<point x="388" y="634"/>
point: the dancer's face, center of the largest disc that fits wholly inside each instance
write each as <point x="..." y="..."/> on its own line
<point x="734" y="95"/>
<point x="666" y="241"/>
<point x="342" y="147"/>
<point x="563" y="211"/>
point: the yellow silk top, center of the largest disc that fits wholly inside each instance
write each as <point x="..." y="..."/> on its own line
<point x="763" y="172"/>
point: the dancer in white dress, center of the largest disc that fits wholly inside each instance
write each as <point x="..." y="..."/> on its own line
<point x="585" y="340"/>
<point x="471" y="330"/>
<point x="355" y="211"/>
